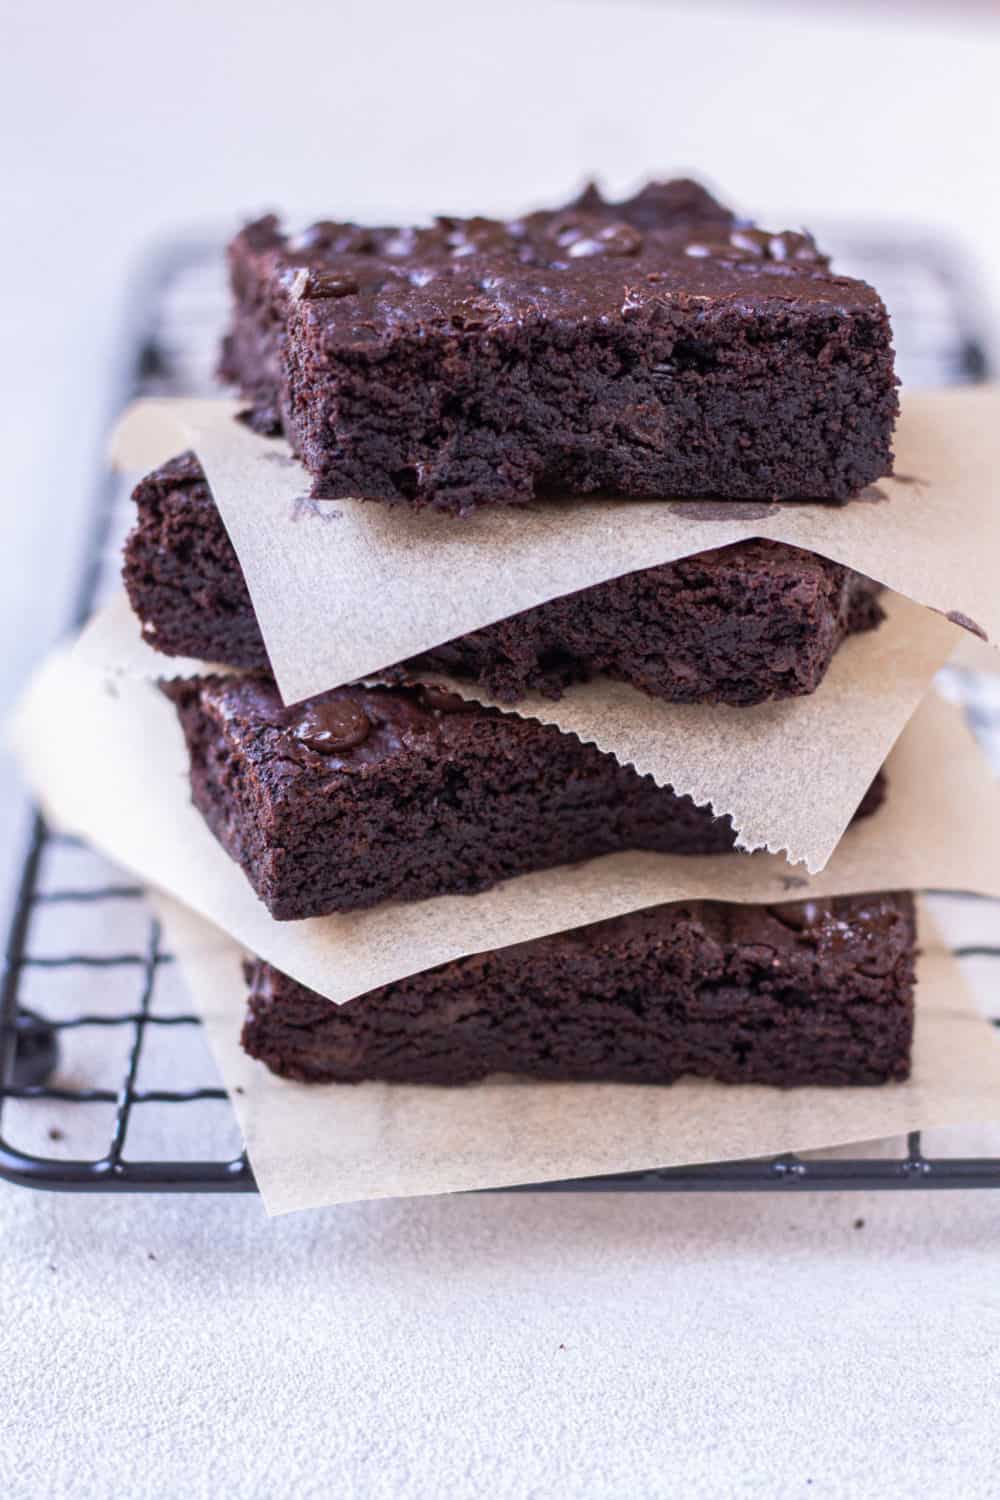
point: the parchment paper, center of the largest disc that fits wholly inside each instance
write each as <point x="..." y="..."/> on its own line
<point x="107" y="759"/>
<point x="322" y="1145"/>
<point x="343" y="588"/>
<point x="789" y="774"/>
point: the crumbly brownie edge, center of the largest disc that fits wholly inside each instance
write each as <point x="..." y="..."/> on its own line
<point x="562" y="427"/>
<point x="226" y="787"/>
<point x="182" y="575"/>
<point x="647" y="998"/>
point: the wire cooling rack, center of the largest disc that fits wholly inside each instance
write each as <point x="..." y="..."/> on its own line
<point x="106" y="1084"/>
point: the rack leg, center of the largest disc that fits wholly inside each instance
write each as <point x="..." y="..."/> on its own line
<point x="36" y="1050"/>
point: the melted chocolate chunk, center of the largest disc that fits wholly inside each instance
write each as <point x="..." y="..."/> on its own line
<point x="799" y="915"/>
<point x="319" y="284"/>
<point x="327" y="727"/>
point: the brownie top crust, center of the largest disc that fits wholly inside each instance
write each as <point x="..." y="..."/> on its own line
<point x="672" y="245"/>
<point x="865" y="933"/>
<point x="345" y="730"/>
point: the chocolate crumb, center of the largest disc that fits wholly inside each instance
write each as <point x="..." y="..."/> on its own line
<point x="55" y="1134"/>
<point x="723" y="510"/>
<point x="305" y="505"/>
<point x="859" y="1223"/>
<point x="957" y="618"/>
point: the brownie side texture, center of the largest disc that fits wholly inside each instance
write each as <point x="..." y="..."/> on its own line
<point x="738" y="625"/>
<point x="182" y="575"/>
<point x="364" y="795"/>
<point x="817" y="992"/>
<point x="653" y="347"/>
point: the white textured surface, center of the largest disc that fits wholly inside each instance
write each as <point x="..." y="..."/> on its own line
<point x="503" y="1348"/>
<point x="712" y="1346"/>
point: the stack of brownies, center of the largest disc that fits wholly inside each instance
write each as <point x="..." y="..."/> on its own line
<point x="656" y="347"/>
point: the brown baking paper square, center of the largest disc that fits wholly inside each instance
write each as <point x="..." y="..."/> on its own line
<point x="108" y="761"/>
<point x="789" y="774"/>
<point x="345" y="588"/>
<point x="317" y="1145"/>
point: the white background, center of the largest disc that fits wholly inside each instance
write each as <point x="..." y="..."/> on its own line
<point x="474" y="1346"/>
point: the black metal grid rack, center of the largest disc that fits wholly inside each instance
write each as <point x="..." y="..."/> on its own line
<point x="85" y="955"/>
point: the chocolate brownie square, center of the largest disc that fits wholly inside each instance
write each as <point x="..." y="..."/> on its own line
<point x="739" y="625"/>
<point x="364" y="795"/>
<point x="818" y="992"/>
<point x="654" y="347"/>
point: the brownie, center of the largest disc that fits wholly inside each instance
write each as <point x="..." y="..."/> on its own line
<point x="818" y="992"/>
<point x="738" y="625"/>
<point x="363" y="795"/>
<point x="654" y="347"/>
